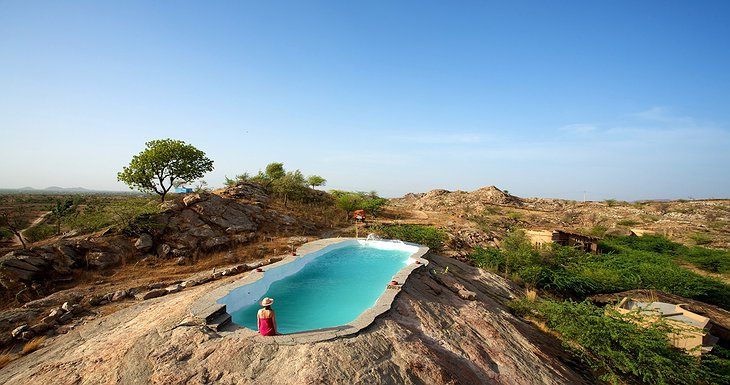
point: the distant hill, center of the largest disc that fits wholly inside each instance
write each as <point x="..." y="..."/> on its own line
<point x="68" y="189"/>
<point x="62" y="190"/>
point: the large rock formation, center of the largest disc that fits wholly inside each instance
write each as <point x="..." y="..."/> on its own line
<point x="188" y="226"/>
<point x="448" y="328"/>
<point x="458" y="201"/>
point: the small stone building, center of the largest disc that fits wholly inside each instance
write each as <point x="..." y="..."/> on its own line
<point x="563" y="237"/>
<point x="567" y="238"/>
<point x="691" y="330"/>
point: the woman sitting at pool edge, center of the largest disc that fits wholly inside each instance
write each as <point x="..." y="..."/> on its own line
<point x="267" y="318"/>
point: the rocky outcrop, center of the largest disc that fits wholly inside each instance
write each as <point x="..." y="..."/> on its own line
<point x="187" y="227"/>
<point x="458" y="201"/>
<point x="431" y="335"/>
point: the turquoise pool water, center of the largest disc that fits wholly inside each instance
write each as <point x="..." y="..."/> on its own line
<point x="331" y="290"/>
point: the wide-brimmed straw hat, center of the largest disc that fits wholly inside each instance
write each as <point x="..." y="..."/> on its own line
<point x="267" y="301"/>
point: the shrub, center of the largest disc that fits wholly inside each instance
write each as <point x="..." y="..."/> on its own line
<point x="715" y="261"/>
<point x="39" y="233"/>
<point x="424" y="235"/>
<point x="700" y="238"/>
<point x="514" y="215"/>
<point x="627" y="222"/>
<point x="598" y="231"/>
<point x="620" y="350"/>
<point x="627" y="263"/>
<point x="489" y="258"/>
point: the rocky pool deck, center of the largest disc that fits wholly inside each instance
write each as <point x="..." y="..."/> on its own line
<point x="207" y="309"/>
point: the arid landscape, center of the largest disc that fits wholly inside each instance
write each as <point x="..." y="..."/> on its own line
<point x="115" y="300"/>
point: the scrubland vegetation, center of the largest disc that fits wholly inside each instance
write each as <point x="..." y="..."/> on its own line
<point x="424" y="235"/>
<point x="618" y="350"/>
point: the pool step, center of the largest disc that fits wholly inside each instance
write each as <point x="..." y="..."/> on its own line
<point x="213" y="312"/>
<point x="219" y="322"/>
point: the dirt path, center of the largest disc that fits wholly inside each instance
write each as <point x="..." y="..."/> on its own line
<point x="704" y="273"/>
<point x="36" y="222"/>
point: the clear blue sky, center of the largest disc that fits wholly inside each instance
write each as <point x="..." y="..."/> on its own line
<point x="622" y="99"/>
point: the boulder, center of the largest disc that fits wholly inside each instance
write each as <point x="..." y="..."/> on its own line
<point x="119" y="295"/>
<point x="163" y="250"/>
<point x="173" y="289"/>
<point x="216" y="242"/>
<point x="154" y="294"/>
<point x="172" y="205"/>
<point x="49" y="320"/>
<point x="65" y="318"/>
<point x="95" y="300"/>
<point x="22" y="266"/>
<point x="19" y="330"/>
<point x="102" y="259"/>
<point x="55" y="313"/>
<point x="226" y="213"/>
<point x="144" y="243"/>
<point x="40" y="327"/>
<point x="26" y="335"/>
<point x="156" y="285"/>
<point x="191" y="199"/>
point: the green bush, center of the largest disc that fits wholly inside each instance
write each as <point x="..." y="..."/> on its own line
<point x="39" y="233"/>
<point x="621" y="351"/>
<point x="627" y="263"/>
<point x="514" y="215"/>
<point x="627" y="222"/>
<point x="424" y="235"/>
<point x="598" y="231"/>
<point x="123" y="214"/>
<point x="489" y="258"/>
<point x="6" y="234"/>
<point x="715" y="261"/>
<point x="700" y="238"/>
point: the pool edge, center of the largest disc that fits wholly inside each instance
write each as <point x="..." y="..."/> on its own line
<point x="204" y="308"/>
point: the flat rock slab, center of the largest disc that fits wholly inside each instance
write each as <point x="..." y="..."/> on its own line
<point x="426" y="338"/>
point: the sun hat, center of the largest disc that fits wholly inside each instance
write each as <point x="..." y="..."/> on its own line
<point x="267" y="301"/>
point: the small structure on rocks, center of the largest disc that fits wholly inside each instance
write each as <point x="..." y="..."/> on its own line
<point x="563" y="237"/>
<point x="691" y="329"/>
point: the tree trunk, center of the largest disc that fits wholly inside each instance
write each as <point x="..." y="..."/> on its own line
<point x="20" y="238"/>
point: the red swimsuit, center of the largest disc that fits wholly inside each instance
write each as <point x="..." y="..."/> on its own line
<point x="266" y="327"/>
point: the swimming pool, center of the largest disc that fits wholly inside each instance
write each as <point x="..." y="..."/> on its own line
<point x="330" y="287"/>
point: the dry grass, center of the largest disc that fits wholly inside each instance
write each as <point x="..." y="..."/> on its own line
<point x="531" y="295"/>
<point x="5" y="358"/>
<point x="33" y="345"/>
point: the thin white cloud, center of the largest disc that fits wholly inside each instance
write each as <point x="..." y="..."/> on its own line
<point x="432" y="138"/>
<point x="580" y="128"/>
<point x="663" y="115"/>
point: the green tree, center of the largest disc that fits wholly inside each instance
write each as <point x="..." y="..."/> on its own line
<point x="61" y="210"/>
<point x="162" y="163"/>
<point x="347" y="201"/>
<point x="290" y="185"/>
<point x="373" y="204"/>
<point x="315" y="181"/>
<point x="518" y="251"/>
